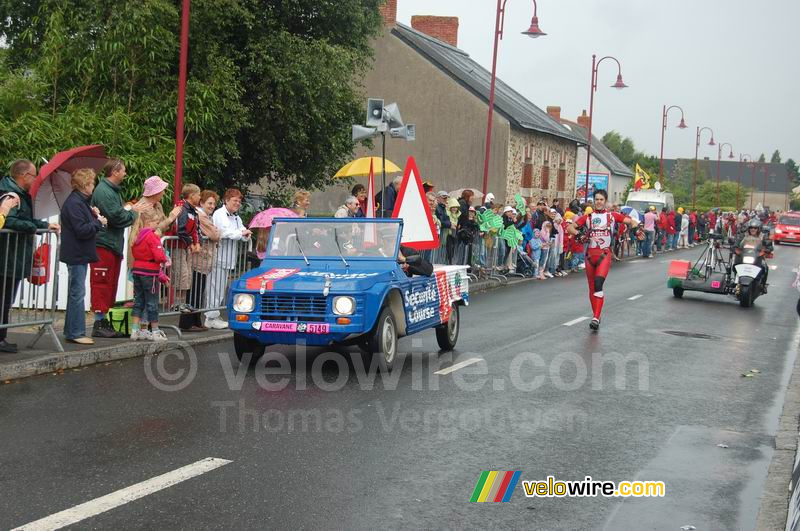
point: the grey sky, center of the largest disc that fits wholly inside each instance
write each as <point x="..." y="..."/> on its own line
<point x="732" y="65"/>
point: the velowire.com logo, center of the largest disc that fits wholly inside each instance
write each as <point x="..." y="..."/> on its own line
<point x="494" y="486"/>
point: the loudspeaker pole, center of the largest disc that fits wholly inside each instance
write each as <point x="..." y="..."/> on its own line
<point x="383" y="174"/>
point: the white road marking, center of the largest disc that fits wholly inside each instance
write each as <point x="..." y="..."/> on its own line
<point x="123" y="496"/>
<point x="773" y="267"/>
<point x="461" y="365"/>
<point x="576" y="321"/>
<point x="635" y="297"/>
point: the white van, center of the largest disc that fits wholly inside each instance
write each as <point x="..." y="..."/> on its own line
<point x="644" y="199"/>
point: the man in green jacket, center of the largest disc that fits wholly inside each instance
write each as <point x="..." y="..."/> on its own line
<point x="105" y="273"/>
<point x="16" y="249"/>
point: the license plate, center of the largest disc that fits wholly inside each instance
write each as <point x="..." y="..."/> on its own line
<point x="298" y="328"/>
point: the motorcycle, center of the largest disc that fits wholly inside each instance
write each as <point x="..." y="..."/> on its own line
<point x="750" y="273"/>
<point x="742" y="274"/>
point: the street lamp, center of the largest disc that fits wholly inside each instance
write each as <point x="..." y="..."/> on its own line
<point x="719" y="158"/>
<point x="184" y="54"/>
<point x="742" y="158"/>
<point x="681" y="125"/>
<point x="533" y="32"/>
<point x="618" y="85"/>
<point x="696" y="152"/>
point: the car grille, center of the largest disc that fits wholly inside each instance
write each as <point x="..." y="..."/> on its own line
<point x="292" y="306"/>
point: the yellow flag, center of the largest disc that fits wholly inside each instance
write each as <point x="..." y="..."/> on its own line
<point x="642" y="179"/>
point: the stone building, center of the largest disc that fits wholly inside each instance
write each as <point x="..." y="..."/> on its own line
<point x="445" y="93"/>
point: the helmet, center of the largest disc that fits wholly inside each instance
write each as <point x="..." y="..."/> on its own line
<point x="754" y="223"/>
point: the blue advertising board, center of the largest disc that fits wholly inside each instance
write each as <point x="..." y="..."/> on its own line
<point x="597" y="181"/>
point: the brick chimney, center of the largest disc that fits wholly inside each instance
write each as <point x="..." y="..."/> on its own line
<point x="583" y="120"/>
<point x="389" y="12"/>
<point x="555" y="112"/>
<point x="443" y="28"/>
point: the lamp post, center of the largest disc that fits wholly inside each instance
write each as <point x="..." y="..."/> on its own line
<point x="752" y="183"/>
<point x="618" y="85"/>
<point x="719" y="158"/>
<point x="742" y="157"/>
<point x="184" y="54"/>
<point x="681" y="125"/>
<point x="533" y="32"/>
<point x="764" y="197"/>
<point x="696" y="152"/>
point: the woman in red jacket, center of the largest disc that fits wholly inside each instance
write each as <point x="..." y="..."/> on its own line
<point x="148" y="257"/>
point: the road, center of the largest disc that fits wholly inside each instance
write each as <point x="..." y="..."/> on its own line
<point x="337" y="449"/>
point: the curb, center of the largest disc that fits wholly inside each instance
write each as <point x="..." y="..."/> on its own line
<point x="779" y="507"/>
<point x="61" y="361"/>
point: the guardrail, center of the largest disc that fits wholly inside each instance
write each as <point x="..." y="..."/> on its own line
<point x="29" y="282"/>
<point x="201" y="279"/>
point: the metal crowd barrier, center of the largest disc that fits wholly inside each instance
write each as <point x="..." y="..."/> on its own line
<point x="201" y="279"/>
<point x="29" y="282"/>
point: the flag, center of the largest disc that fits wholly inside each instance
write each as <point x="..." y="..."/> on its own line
<point x="371" y="237"/>
<point x="641" y="180"/>
<point x="520" y="204"/>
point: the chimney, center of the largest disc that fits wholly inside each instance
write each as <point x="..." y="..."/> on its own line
<point x="584" y="120"/>
<point x="443" y="28"/>
<point x="555" y="112"/>
<point x="389" y="12"/>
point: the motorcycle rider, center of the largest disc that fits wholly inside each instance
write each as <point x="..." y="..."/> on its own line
<point x="753" y="237"/>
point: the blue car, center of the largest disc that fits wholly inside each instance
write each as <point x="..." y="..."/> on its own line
<point x="328" y="282"/>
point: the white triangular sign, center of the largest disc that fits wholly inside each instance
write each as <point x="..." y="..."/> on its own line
<point x="419" y="231"/>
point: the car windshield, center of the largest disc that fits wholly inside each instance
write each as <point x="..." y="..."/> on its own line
<point x="332" y="238"/>
<point x="790" y="220"/>
<point x="644" y="206"/>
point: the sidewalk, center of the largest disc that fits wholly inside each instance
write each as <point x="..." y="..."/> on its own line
<point x="43" y="359"/>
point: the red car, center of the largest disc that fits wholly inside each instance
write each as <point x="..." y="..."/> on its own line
<point x="787" y="229"/>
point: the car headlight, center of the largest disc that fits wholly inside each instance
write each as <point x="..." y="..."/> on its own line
<point x="243" y="303"/>
<point x="778" y="231"/>
<point x="749" y="260"/>
<point x="344" y="305"/>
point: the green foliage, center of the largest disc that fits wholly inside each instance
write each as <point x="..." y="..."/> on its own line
<point x="271" y="92"/>
<point x="762" y="158"/>
<point x="776" y="157"/>
<point x="793" y="170"/>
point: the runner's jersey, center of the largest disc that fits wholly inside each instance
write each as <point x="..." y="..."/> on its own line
<point x="601" y="227"/>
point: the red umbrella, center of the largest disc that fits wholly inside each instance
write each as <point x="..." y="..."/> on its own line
<point x="52" y="186"/>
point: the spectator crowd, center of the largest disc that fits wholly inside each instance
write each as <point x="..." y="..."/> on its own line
<point x="205" y="230"/>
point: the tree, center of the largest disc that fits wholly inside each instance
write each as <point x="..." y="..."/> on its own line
<point x="792" y="170"/>
<point x="272" y="87"/>
<point x="762" y="158"/>
<point x="776" y="157"/>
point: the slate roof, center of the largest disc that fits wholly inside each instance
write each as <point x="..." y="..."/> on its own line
<point x="508" y="102"/>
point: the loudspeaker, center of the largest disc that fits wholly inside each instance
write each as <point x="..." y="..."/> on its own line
<point x="374" y="112"/>
<point x="391" y="114"/>
<point x="360" y="132"/>
<point x="408" y="132"/>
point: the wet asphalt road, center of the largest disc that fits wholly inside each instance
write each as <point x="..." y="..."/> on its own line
<point x="338" y="448"/>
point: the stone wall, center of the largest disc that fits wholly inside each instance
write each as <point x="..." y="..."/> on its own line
<point x="558" y="154"/>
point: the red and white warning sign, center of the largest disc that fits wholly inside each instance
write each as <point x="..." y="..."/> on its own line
<point x="419" y="231"/>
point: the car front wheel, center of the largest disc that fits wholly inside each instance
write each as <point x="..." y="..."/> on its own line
<point x="383" y="342"/>
<point x="244" y="347"/>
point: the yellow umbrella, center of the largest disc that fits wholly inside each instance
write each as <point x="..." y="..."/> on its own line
<point x="360" y="167"/>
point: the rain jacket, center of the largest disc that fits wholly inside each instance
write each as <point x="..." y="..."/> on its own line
<point x="108" y="199"/>
<point x="79" y="229"/>
<point x="16" y="250"/>
<point x="148" y="254"/>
